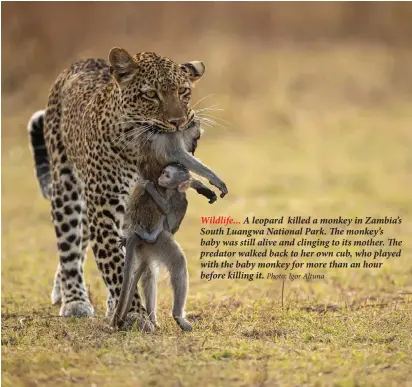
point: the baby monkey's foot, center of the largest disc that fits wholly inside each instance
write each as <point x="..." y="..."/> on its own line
<point x="183" y="323"/>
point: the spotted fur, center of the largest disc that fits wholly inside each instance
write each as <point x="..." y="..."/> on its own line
<point x="106" y="125"/>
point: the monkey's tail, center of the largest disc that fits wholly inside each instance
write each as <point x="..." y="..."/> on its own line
<point x="35" y="128"/>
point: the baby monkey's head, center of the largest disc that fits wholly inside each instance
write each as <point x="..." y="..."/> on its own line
<point x="175" y="176"/>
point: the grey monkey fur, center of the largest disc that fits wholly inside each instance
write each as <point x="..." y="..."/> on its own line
<point x="151" y="213"/>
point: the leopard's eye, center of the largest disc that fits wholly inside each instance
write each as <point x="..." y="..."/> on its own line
<point x="183" y="90"/>
<point x="150" y="94"/>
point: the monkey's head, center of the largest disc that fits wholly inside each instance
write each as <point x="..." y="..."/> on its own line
<point x="175" y="176"/>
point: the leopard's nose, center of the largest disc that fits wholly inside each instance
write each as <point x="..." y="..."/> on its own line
<point x="177" y="122"/>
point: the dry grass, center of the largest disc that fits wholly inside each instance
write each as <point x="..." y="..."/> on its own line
<point x="316" y="130"/>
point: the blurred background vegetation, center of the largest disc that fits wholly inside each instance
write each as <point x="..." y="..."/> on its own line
<point x="246" y="46"/>
<point x="316" y="120"/>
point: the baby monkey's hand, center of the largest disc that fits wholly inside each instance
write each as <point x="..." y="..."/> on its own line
<point x="208" y="193"/>
<point x="204" y="190"/>
<point x="212" y="197"/>
<point x="122" y="242"/>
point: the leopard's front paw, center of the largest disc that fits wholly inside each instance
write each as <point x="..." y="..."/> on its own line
<point x="77" y="309"/>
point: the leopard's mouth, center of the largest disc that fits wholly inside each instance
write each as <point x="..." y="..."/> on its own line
<point x="156" y="128"/>
<point x="159" y="128"/>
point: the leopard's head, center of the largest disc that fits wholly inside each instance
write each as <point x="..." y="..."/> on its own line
<point x="155" y="91"/>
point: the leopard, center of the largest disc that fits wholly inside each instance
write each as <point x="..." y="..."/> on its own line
<point x="107" y="124"/>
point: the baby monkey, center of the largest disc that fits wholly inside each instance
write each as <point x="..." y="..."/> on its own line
<point x="154" y="208"/>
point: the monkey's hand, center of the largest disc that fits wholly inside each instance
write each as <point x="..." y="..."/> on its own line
<point x="148" y="185"/>
<point x="122" y="243"/>
<point x="207" y="193"/>
<point x="212" y="198"/>
<point x="160" y="201"/>
<point x="203" y="189"/>
<point x="220" y="185"/>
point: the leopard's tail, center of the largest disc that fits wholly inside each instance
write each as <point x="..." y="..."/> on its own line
<point x="41" y="157"/>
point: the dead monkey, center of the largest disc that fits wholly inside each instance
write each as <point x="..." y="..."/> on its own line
<point x="152" y="209"/>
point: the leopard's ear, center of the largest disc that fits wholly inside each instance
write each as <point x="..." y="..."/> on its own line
<point x="122" y="65"/>
<point x="194" y="69"/>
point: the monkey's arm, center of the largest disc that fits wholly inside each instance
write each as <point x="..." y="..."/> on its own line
<point x="150" y="237"/>
<point x="197" y="167"/>
<point x="160" y="201"/>
<point x="203" y="189"/>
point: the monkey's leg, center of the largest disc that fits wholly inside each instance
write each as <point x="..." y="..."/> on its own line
<point x="149" y="283"/>
<point x="132" y="270"/>
<point x="194" y="165"/>
<point x="150" y="237"/>
<point x="106" y="226"/>
<point x="171" y="255"/>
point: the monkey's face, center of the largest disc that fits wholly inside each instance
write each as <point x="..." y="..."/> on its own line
<point x="174" y="178"/>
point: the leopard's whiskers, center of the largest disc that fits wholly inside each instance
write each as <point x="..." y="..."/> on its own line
<point x="200" y="100"/>
<point x="211" y="122"/>
<point x="205" y="114"/>
<point x="131" y="132"/>
<point x="133" y="139"/>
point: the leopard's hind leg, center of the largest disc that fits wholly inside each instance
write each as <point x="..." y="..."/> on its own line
<point x="56" y="294"/>
<point x="67" y="218"/>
